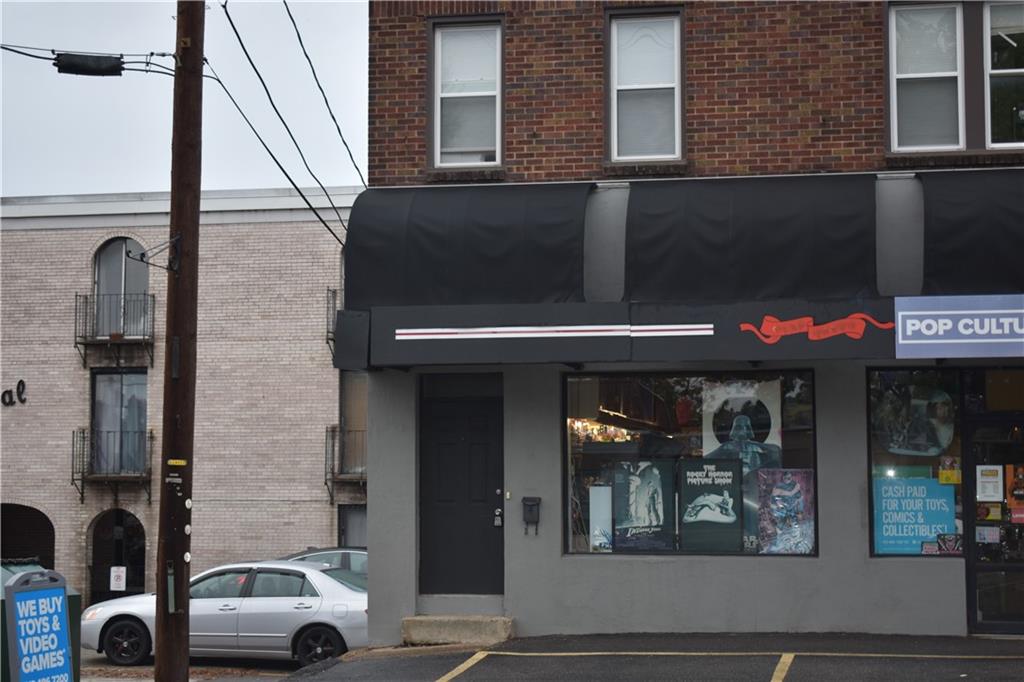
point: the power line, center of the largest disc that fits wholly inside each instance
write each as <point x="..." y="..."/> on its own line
<point x="227" y="92"/>
<point x="10" y="48"/>
<point x="155" y="68"/>
<point x="51" y="50"/>
<point x="322" y="93"/>
<point x="266" y="89"/>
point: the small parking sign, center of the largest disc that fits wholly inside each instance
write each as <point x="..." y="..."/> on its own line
<point x="118" y="578"/>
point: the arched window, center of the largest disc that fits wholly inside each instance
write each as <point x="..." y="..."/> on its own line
<point x="121" y="287"/>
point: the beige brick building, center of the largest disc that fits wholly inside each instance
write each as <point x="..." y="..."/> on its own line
<point x="82" y="338"/>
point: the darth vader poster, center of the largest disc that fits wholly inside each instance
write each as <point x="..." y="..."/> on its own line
<point x="644" y="506"/>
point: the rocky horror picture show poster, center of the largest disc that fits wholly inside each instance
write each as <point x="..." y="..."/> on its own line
<point x="643" y="506"/>
<point x="786" y="511"/>
<point x="710" y="506"/>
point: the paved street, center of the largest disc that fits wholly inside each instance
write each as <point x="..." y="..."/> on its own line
<point x="767" y="658"/>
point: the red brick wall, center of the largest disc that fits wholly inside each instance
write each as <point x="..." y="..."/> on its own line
<point x="769" y="88"/>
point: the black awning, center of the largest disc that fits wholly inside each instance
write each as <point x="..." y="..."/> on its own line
<point x="466" y="245"/>
<point x="751" y="239"/>
<point x="973" y="232"/>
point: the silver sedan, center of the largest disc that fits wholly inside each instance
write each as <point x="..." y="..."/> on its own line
<point x="267" y="609"/>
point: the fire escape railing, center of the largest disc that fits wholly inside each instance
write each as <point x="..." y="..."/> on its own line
<point x="344" y="457"/>
<point x="111" y="457"/>
<point x="114" y="320"/>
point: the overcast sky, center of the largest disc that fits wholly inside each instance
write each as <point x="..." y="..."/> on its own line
<point x="80" y="135"/>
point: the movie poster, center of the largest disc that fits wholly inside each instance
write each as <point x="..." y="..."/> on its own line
<point x="1015" y="490"/>
<point x="916" y="419"/>
<point x="710" y="505"/>
<point x="786" y="511"/>
<point x="643" y="506"/>
<point x="600" y="518"/>
<point x="743" y="421"/>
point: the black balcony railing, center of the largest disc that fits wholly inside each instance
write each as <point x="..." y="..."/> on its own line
<point x="114" y="320"/>
<point x="111" y="456"/>
<point x="332" y="311"/>
<point x="344" y="457"/>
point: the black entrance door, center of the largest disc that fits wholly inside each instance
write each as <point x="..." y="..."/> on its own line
<point x="461" y="495"/>
<point x="994" y="525"/>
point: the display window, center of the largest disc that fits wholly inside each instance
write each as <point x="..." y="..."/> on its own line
<point x="691" y="463"/>
<point x="916" y="462"/>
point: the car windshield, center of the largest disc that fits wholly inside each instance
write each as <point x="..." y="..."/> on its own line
<point x="350" y="579"/>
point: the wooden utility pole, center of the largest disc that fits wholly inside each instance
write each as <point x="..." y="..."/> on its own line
<point x="176" y="458"/>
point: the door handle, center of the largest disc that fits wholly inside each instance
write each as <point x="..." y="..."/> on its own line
<point x="228" y="607"/>
<point x="300" y="607"/>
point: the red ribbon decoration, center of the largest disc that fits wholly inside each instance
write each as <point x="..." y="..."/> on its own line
<point x="773" y="329"/>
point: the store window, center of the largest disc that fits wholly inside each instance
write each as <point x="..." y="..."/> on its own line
<point x="916" y="463"/>
<point x="467" y="95"/>
<point x="645" y="88"/>
<point x="691" y="463"/>
<point x="1004" y="66"/>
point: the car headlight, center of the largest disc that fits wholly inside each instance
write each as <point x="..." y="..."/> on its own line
<point x="92" y="614"/>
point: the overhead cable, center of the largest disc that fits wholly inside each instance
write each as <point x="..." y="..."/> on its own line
<point x="266" y="89"/>
<point x="227" y="92"/>
<point x="322" y="93"/>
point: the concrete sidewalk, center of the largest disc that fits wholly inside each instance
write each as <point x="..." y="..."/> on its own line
<point x="766" y="657"/>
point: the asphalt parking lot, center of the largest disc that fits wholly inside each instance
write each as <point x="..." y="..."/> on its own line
<point x="768" y="658"/>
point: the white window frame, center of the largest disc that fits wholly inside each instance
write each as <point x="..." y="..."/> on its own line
<point x="988" y="80"/>
<point x="893" y="78"/>
<point x="496" y="93"/>
<point x="615" y="88"/>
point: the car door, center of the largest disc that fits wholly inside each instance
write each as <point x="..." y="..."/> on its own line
<point x="213" y="611"/>
<point x="279" y="602"/>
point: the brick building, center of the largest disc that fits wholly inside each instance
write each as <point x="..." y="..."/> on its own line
<point x="83" y="339"/>
<point x="693" y="316"/>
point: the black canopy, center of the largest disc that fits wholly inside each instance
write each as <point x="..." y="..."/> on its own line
<point x="751" y="239"/>
<point x="466" y="245"/>
<point x="973" y="232"/>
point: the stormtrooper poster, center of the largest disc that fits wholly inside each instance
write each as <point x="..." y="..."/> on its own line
<point x="743" y="422"/>
<point x="787" y="512"/>
<point x="710" y="505"/>
<point x="643" y="506"/>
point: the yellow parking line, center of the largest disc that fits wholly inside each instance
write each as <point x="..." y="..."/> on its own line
<point x="834" y="654"/>
<point x="782" y="668"/>
<point x="464" y="666"/>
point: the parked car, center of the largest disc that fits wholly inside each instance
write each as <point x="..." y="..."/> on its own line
<point x="352" y="562"/>
<point x="264" y="609"/>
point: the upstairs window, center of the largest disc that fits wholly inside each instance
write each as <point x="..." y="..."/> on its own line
<point x="926" y="73"/>
<point x="1004" y="74"/>
<point x="467" y="95"/>
<point x="645" y="93"/>
<point x="121" y="286"/>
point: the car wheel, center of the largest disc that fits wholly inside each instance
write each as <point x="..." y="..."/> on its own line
<point x="126" y="642"/>
<point x="318" y="644"/>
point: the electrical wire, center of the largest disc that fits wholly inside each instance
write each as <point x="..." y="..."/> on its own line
<point x="10" y="48"/>
<point x="93" y="54"/>
<point x="266" y="89"/>
<point x="322" y="93"/>
<point x="227" y="92"/>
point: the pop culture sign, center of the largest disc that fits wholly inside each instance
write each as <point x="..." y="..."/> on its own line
<point x="960" y="326"/>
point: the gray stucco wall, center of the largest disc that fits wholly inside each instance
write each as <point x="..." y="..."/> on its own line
<point x="546" y="591"/>
<point x="392" y="528"/>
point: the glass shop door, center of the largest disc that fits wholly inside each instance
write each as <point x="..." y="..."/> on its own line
<point x="994" y="524"/>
